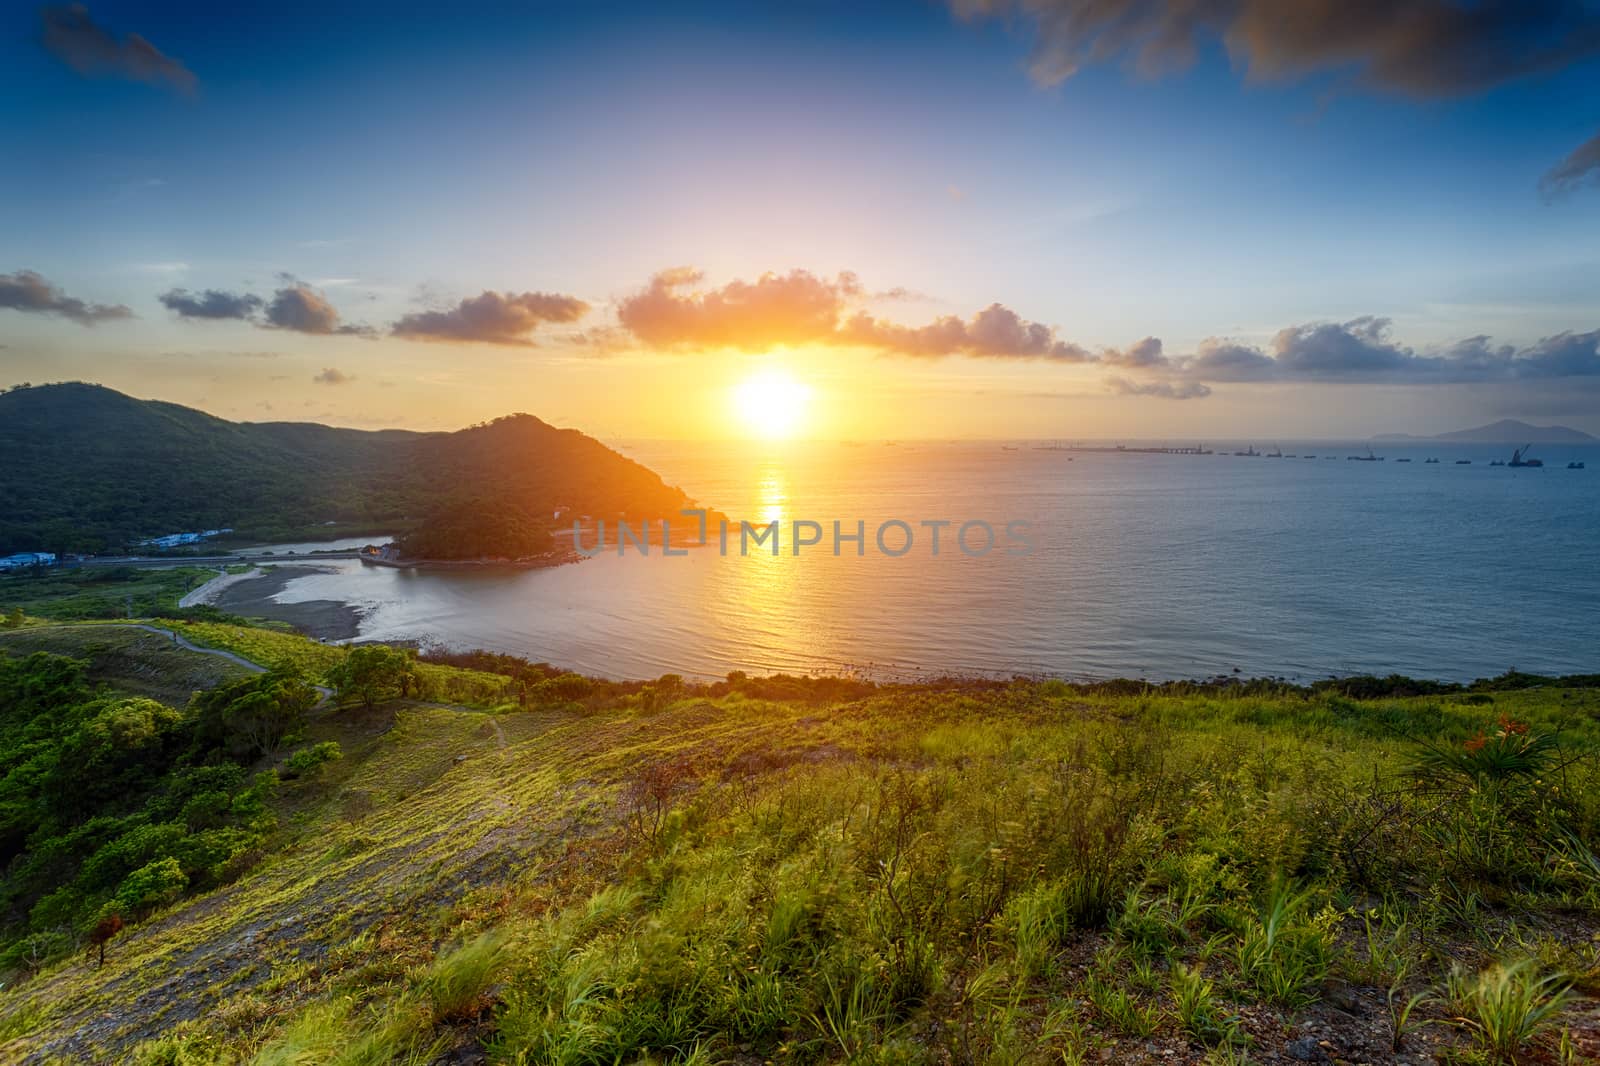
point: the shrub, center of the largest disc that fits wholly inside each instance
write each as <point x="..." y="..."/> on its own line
<point x="306" y="760"/>
<point x="1506" y="1005"/>
<point x="151" y="886"/>
<point x="1510" y="752"/>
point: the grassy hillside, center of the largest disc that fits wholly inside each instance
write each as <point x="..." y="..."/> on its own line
<point x="141" y="468"/>
<point x="765" y="870"/>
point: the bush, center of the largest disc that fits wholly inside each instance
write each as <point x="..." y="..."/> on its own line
<point x="150" y="886"/>
<point x="306" y="760"/>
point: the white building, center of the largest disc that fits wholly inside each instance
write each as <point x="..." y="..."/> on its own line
<point x="23" y="560"/>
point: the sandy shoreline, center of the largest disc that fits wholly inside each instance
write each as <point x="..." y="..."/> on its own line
<point x="211" y="590"/>
<point x="251" y="596"/>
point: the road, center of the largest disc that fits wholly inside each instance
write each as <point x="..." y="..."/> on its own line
<point x="207" y="560"/>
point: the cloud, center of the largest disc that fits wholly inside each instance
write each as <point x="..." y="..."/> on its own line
<point x="332" y="375"/>
<point x="1144" y="355"/>
<point x="492" y="318"/>
<point x="995" y="332"/>
<point x="1167" y="390"/>
<point x="1220" y="360"/>
<point x="801" y="308"/>
<point x="302" y="309"/>
<point x="1417" y="48"/>
<point x="1361" y="351"/>
<point x="27" y="291"/>
<point x="776" y="309"/>
<point x="72" y="37"/>
<point x="1572" y="173"/>
<point x="212" y="303"/>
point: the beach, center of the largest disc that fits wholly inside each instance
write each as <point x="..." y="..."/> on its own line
<point x="251" y="595"/>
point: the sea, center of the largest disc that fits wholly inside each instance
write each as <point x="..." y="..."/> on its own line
<point x="1119" y="563"/>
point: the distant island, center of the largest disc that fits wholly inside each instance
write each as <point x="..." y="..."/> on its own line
<point x="1505" y="431"/>
<point x="90" y="470"/>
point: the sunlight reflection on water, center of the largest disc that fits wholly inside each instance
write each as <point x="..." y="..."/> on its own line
<point x="1146" y="565"/>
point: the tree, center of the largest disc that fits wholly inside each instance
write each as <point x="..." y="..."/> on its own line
<point x="14" y="618"/>
<point x="372" y="673"/>
<point x="119" y="750"/>
<point x="251" y="717"/>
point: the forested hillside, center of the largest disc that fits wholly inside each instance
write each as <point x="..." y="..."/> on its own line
<point x="87" y="468"/>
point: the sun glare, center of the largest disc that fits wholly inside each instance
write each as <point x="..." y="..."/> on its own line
<point x="771" y="403"/>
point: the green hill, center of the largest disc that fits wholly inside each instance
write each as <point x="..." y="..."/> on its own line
<point x="537" y="868"/>
<point x="87" y="468"/>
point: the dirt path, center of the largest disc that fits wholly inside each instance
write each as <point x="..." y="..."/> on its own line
<point x="186" y="644"/>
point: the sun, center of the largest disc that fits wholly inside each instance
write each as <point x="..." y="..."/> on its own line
<point x="771" y="403"/>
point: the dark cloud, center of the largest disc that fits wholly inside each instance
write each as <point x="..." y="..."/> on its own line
<point x="1361" y="351"/>
<point x="492" y="318"/>
<point x="1167" y="390"/>
<point x="1356" y="349"/>
<point x="27" y="291"/>
<point x="1572" y="173"/>
<point x="1419" y="48"/>
<point x="1219" y="360"/>
<point x="1145" y="355"/>
<point x="332" y="375"/>
<point x="212" y="303"/>
<point x="73" y="38"/>
<point x="299" y="307"/>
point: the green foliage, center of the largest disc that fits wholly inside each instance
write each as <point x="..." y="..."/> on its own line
<point x="150" y="886"/>
<point x="1285" y="951"/>
<point x="455" y="986"/>
<point x="1195" y="1004"/>
<point x="108" y="801"/>
<point x="1505" y="1006"/>
<point x="307" y="760"/>
<point x="915" y="874"/>
<point x="99" y="592"/>
<point x="372" y="673"/>
<point x="1507" y="755"/>
<point x="481" y="529"/>
<point x="251" y="717"/>
<point x="1120" y="1008"/>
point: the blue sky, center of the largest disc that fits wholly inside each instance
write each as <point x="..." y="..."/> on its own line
<point x="396" y="160"/>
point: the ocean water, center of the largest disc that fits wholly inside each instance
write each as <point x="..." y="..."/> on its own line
<point x="1145" y="566"/>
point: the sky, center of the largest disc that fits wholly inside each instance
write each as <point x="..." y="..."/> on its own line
<point x="982" y="218"/>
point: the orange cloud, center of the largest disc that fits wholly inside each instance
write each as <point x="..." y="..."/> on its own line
<point x="800" y="308"/>
<point x="775" y="309"/>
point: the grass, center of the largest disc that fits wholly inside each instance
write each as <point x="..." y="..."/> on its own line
<point x="100" y="592"/>
<point x="1003" y="873"/>
<point x="313" y="659"/>
<point x="1507" y="1005"/>
<point x="128" y="659"/>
